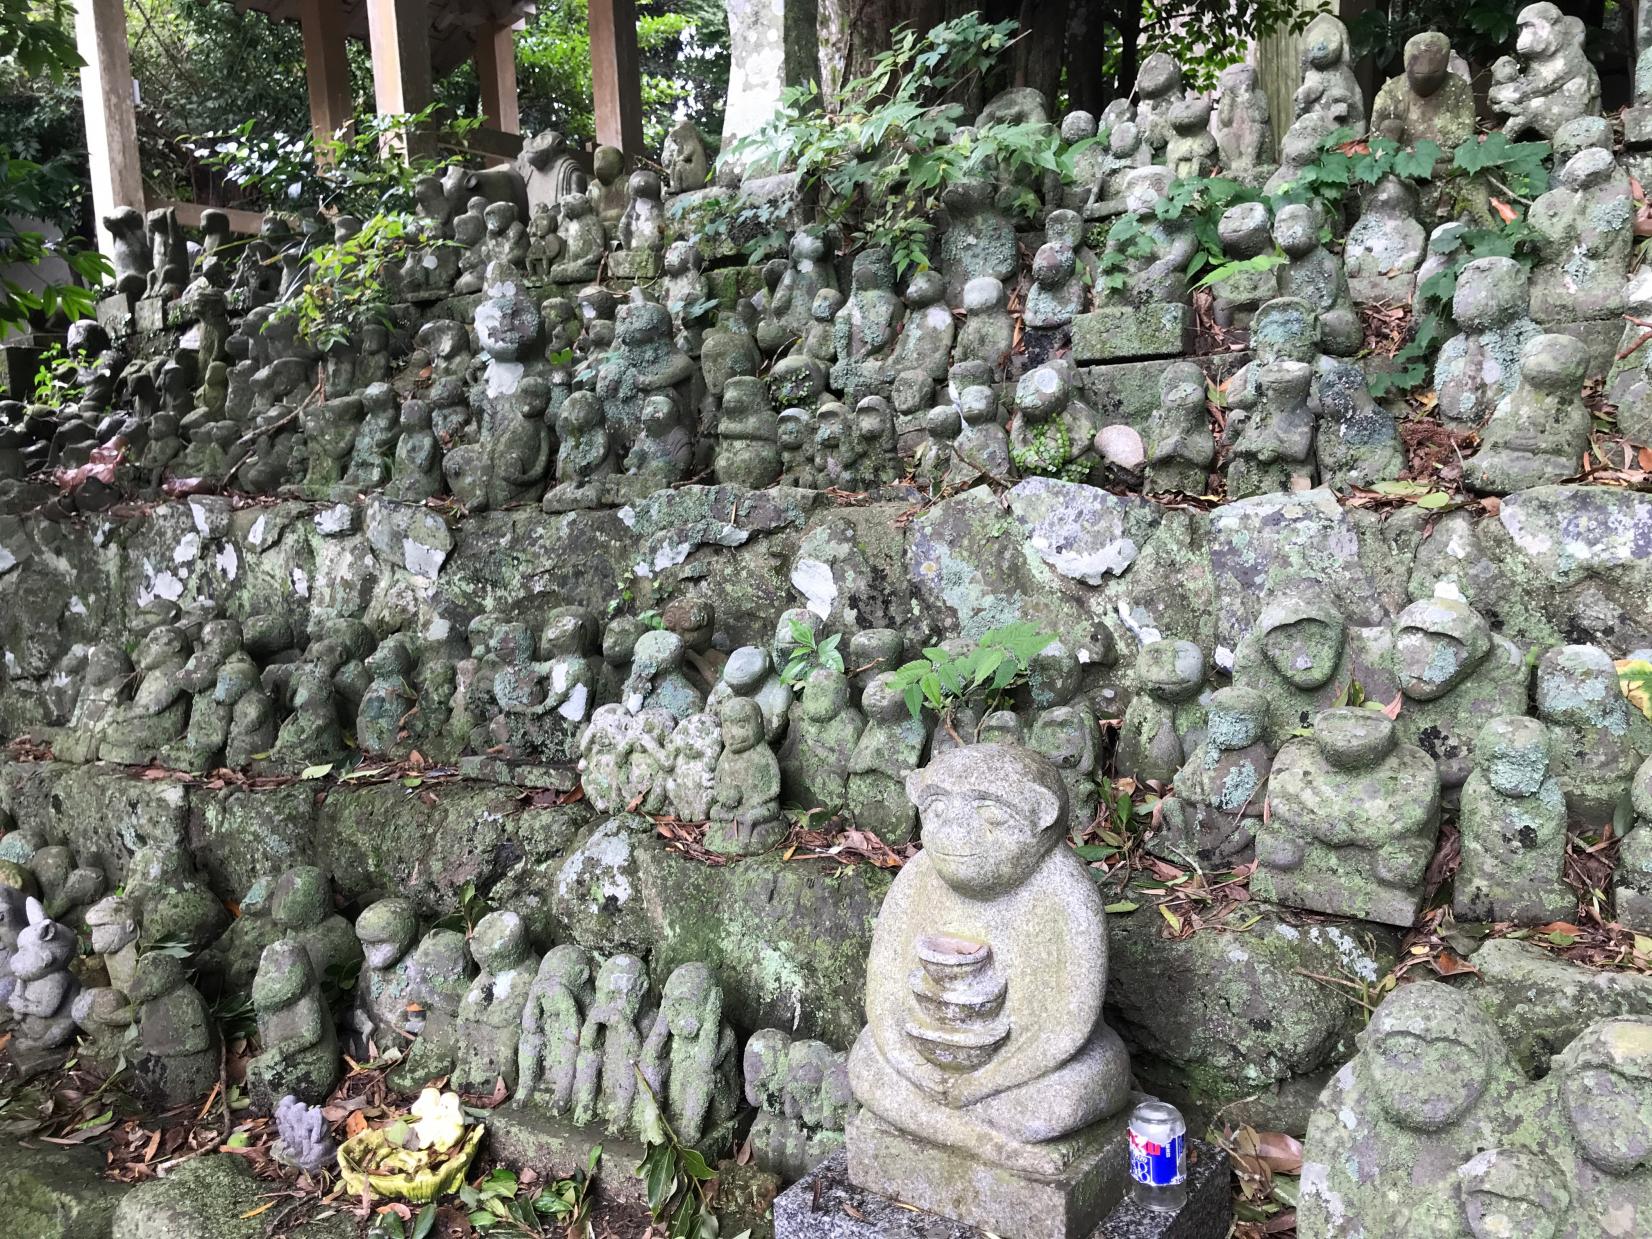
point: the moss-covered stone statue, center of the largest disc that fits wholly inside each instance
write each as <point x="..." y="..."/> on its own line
<point x="610" y="1047"/>
<point x="890" y="747"/>
<point x="1165" y="720"/>
<point x="135" y="732"/>
<point x="1351" y="821"/>
<point x="1179" y="442"/>
<point x="548" y="1051"/>
<point x="815" y="770"/>
<point x="173" y="903"/>
<point x="1597" y="740"/>
<point x="745" y="802"/>
<point x="389" y="1011"/>
<point x="1220" y="790"/>
<point x="1480" y="366"/>
<point x="1538" y="432"/>
<point x="489" y="1023"/>
<point x="984" y="1052"/>
<point x="689" y="1059"/>
<point x="176" y="1061"/>
<point x="295" y="1028"/>
<point x="301" y="908"/>
<point x="1512" y="822"/>
<point x="1428" y="102"/>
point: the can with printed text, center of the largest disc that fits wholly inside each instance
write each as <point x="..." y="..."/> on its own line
<point x="1158" y="1155"/>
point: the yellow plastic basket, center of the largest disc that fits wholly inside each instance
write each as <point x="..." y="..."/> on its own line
<point x="410" y="1181"/>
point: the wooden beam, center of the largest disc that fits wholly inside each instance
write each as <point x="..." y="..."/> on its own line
<point x="111" y="118"/>
<point x="327" y="66"/>
<point x="496" y="71"/>
<point x="616" y="75"/>
<point x="399" y="32"/>
<point x="490" y="143"/>
<point x="189" y="215"/>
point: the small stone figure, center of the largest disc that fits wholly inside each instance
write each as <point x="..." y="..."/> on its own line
<point x="1428" y="102"/>
<point x="1180" y="444"/>
<point x="1191" y="151"/>
<point x="925" y="343"/>
<point x="387" y="931"/>
<point x="684" y="158"/>
<point x="1351" y="821"/>
<point x="1597" y="739"/>
<point x="1243" y="126"/>
<point x="1160" y="275"/>
<point x="489" y="1024"/>
<point x="172" y="903"/>
<point x="1479" y="367"/>
<point x="1219" y="792"/>
<point x="1053" y="431"/>
<point x="544" y="245"/>
<point x="748" y="453"/>
<point x="113" y="922"/>
<point x="867" y="327"/>
<point x="1585" y="232"/>
<point x="1454" y="673"/>
<point x="808" y="272"/>
<point x="1378" y="1144"/>
<point x="584" y="451"/>
<point x="416" y="474"/>
<point x="1165" y="720"/>
<point x="664" y="450"/>
<point x="644" y="362"/>
<point x="993" y="1045"/>
<point x="1158" y="89"/>
<point x="1553" y="81"/>
<point x="801" y="1092"/>
<point x="1385" y="246"/>
<point x="1538" y="433"/>
<point x="158" y="714"/>
<point x="311" y="734"/>
<point x="43" y="989"/>
<point x="696" y="745"/>
<point x="439" y="973"/>
<point x="301" y="908"/>
<point x="657" y="680"/>
<point x="610" y="1047"/>
<point x="548" y="1052"/>
<point x="1274" y="448"/>
<point x="816" y="769"/>
<point x="1513" y="827"/>
<point x="133" y="258"/>
<point x="177" y="1055"/>
<point x="1314" y="274"/>
<point x="745" y="807"/>
<point x="300" y="1048"/>
<point x="689" y="1059"/>
<point x="1056" y="297"/>
<point x="302" y="1139"/>
<point x="1599" y="1085"/>
<point x="1246" y="232"/>
<point x="642" y="227"/>
<point x="584" y="242"/>
<point x="935" y="456"/>
<point x="1329" y="86"/>
<point x="988" y="331"/>
<point x="979" y="240"/>
<point x="890" y="747"/>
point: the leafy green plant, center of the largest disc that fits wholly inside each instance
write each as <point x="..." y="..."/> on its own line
<point x="891" y="142"/>
<point x="390" y="1226"/>
<point x="1047" y="453"/>
<point x="810" y="651"/>
<point x="472" y="908"/>
<point x="351" y="282"/>
<point x="983" y="677"/>
<point x="498" y="1206"/>
<point x="54" y="384"/>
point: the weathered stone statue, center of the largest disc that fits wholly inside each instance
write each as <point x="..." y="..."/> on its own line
<point x="984" y="1044"/>
<point x="1274" y="447"/>
<point x="988" y="331"/>
<point x="1246" y="232"/>
<point x="1056" y="297"/>
<point x="983" y="445"/>
<point x="1480" y="366"/>
<point x="1161" y="276"/>
<point x="489" y="1023"/>
<point x="927" y="330"/>
<point x="1432" y="1084"/>
<point x="816" y="769"/>
<point x="808" y="272"/>
<point x="642" y="227"/>
<point x="311" y="734"/>
<point x="1585" y="232"/>
<point x="684" y="158"/>
<point x="43" y="989"/>
<point x="1303" y="656"/>
<point x="610" y="1047"/>
<point x="136" y="731"/>
<point x="644" y="362"/>
<point x="172" y="902"/>
<point x="801" y="1092"/>
<point x="890" y="747"/>
<point x="177" y="1056"/>
<point x="1428" y="102"/>
<point x="389" y="1009"/>
<point x="867" y="327"/>
<point x="689" y="1059"/>
<point x="1538" y="433"/>
<point x="548" y="1051"/>
<point x="1164" y="723"/>
<point x="300" y="1049"/>
<point x="301" y="908"/>
<point x="1513" y="828"/>
<point x="1352" y="817"/>
<point x="748" y="452"/>
<point x="1316" y="275"/>
<point x="1600" y="1084"/>
<point x="657" y="680"/>
<point x="439" y="973"/>
<point x="1221" y="788"/>
<point x="1455" y="673"/>
<point x="1329" y="86"/>
<point x="1243" y="126"/>
<point x="1597" y="740"/>
<point x="113" y="923"/>
<point x="105" y="686"/>
<point x="690" y="781"/>
<point x="1180" y="445"/>
<point x="978" y="239"/>
<point x="745" y="809"/>
<point x="936" y="456"/>
<point x="1053" y="431"/>
<point x="1386" y="244"/>
<point x="1159" y="88"/>
<point x="1553" y="81"/>
<point x="1191" y="151"/>
<point x="584" y="241"/>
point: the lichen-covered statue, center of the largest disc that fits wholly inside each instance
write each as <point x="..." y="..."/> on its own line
<point x="177" y="1056"/>
<point x="1538" y="432"/>
<point x="489" y="1023"/>
<point x="548" y="1052"/>
<point x="984" y="993"/>
<point x="1513" y="828"/>
<point x="1597" y="740"/>
<point x="1552" y="82"/>
<point x="689" y="1059"/>
<point x="1329" y="86"/>
<point x="745" y="800"/>
<point x="1351" y="822"/>
<point x="1221" y="789"/>
<point x="1480" y="366"/>
<point x="890" y="747"/>
<point x="1165" y="720"/>
<point x="300" y="1049"/>
<point x="610" y="1048"/>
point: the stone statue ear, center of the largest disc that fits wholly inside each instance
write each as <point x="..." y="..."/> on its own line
<point x="32" y="908"/>
<point x="1046" y="806"/>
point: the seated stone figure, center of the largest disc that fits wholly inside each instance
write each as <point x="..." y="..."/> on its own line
<point x="1220" y="790"/>
<point x="300" y="1049"/>
<point x="800" y="1090"/>
<point x="1513" y="827"/>
<point x="177" y="1058"/>
<point x="1584" y="235"/>
<point x="1351" y="822"/>
<point x="1553" y="81"/>
<point x="1603" y="1083"/>
<point x="548" y="1051"/>
<point x="489" y="1021"/>
<point x="1538" y="433"/>
<point x="1180" y="446"/>
<point x="1428" y="102"/>
<point x="1165" y="720"/>
<point x="890" y="748"/>
<point x="387" y="1009"/>
<point x="689" y="1060"/>
<point x="984" y="1043"/>
<point x="1597" y="739"/>
<point x="745" y="801"/>
<point x="1432" y="1084"/>
<point x="135" y="732"/>
<point x="1455" y="674"/>
<point x="1480" y="366"/>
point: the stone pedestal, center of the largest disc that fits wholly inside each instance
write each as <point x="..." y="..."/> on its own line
<point x="1383" y="289"/>
<point x="555" y="1148"/>
<point x="824" y="1204"/>
<point x="1127" y="392"/>
<point x="1133" y="333"/>
<point x="952" y="1182"/>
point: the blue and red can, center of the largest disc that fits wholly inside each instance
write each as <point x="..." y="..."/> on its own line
<point x="1158" y="1155"/>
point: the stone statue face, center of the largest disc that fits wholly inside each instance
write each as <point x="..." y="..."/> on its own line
<point x="387" y="930"/>
<point x="1237" y="718"/>
<point x="1172" y="670"/>
<point x="1422" y="1059"/>
<point x="1513" y="753"/>
<point x="112" y="924"/>
<point x="990" y="815"/>
<point x="825" y="694"/>
<point x="1296" y="230"/>
<point x="1305" y="652"/>
<point x="979" y="405"/>
<point x="1537" y="32"/>
<point x="742" y="722"/>
<point x="1512" y="1192"/>
<point x="499" y="942"/>
<point x="1076" y="126"/>
<point x="686" y="1000"/>
<point x="1430" y="664"/>
<point x="1060" y="734"/>
<point x="827" y="302"/>
<point x="1606" y="1094"/>
<point x="621" y="984"/>
<point x="607" y="162"/>
<point x="1427" y="61"/>
<point x="155" y="974"/>
<point x="1325" y="47"/>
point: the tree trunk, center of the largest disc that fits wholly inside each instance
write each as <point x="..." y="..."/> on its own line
<point x="1038" y="55"/>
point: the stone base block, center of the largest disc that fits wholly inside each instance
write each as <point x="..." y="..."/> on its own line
<point x="114" y="314"/>
<point x="556" y="1148"/>
<point x="149" y="316"/>
<point x="1131" y="333"/>
<point x="1600" y="336"/>
<point x="634" y="265"/>
<point x="952" y="1182"/>
<point x="1336" y="891"/>
<point x="1127" y="392"/>
<point x="1382" y="289"/>
<point x="520" y="773"/>
<point x="824" y="1204"/>
<point x="1637" y="127"/>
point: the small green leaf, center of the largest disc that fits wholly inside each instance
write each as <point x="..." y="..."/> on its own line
<point x="316" y="772"/>
<point x="1434" y="499"/>
<point x="1123" y="905"/>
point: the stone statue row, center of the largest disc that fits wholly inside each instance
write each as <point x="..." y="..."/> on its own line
<point x="1433" y="1130"/>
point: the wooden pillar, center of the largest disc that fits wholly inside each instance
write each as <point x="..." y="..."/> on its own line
<point x="496" y="71"/>
<point x="327" y="66"/>
<point x="111" y="119"/>
<point x="616" y="76"/>
<point x="399" y="31"/>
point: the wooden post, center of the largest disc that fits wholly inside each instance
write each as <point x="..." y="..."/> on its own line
<point x="327" y="66"/>
<point x="616" y="76"/>
<point x="496" y="71"/>
<point x="111" y="119"/>
<point x="399" y="31"/>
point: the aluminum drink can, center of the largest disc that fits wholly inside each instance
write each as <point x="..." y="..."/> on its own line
<point x="1158" y="1155"/>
